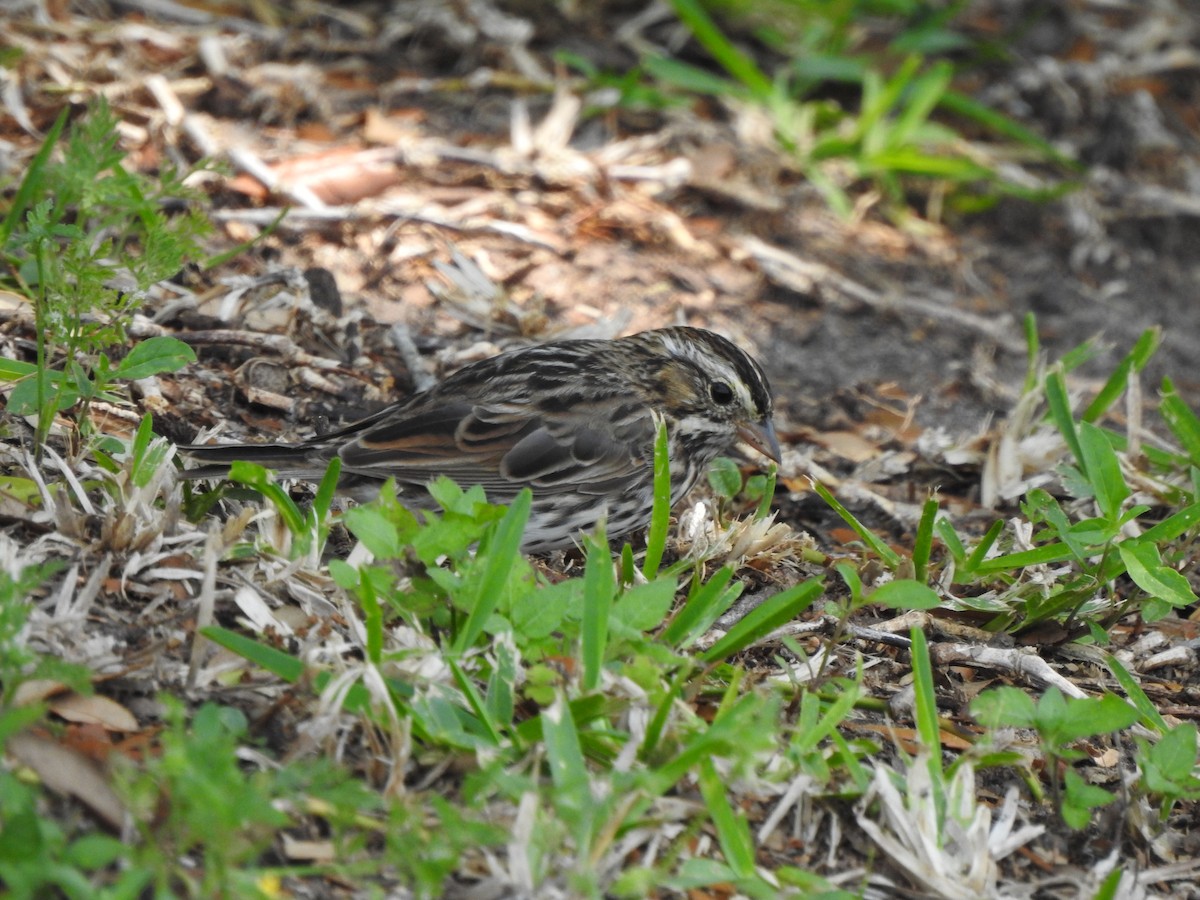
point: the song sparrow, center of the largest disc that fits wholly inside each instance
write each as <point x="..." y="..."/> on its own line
<point x="574" y="421"/>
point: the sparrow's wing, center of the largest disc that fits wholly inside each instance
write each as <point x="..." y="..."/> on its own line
<point x="506" y="446"/>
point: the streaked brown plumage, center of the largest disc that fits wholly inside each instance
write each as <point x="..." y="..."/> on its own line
<point x="574" y="421"/>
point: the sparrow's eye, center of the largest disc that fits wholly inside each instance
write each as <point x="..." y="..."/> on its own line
<point x="721" y="392"/>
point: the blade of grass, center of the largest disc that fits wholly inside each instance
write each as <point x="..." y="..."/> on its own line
<point x="953" y="543"/>
<point x="599" y="587"/>
<point x="813" y="726"/>
<point x="889" y="556"/>
<point x="1133" y="362"/>
<point x="503" y="548"/>
<point x="1103" y="470"/>
<point x="923" y="542"/>
<point x="704" y="604"/>
<point x="1060" y="411"/>
<point x="925" y="697"/>
<point x="662" y="712"/>
<point x="1180" y="418"/>
<point x="923" y="95"/>
<point x="568" y="770"/>
<point x="1032" y="352"/>
<point x="1151" y="717"/>
<point x="879" y="98"/>
<point x="31" y="183"/>
<point x="476" y="703"/>
<point x="660" y="514"/>
<point x="733" y="832"/>
<point x="985" y="546"/>
<point x="255" y="476"/>
<point x="963" y="105"/>
<point x="327" y="489"/>
<point x="926" y="716"/>
<point x="219" y="259"/>
<point x="1173" y="526"/>
<point x="718" y="739"/>
<point x="691" y="78"/>
<point x="764" y="503"/>
<point x="761" y="621"/>
<point x="278" y="663"/>
<point x="1050" y="553"/>
<point x="500" y="702"/>
<point x="372" y="619"/>
<point x="732" y="60"/>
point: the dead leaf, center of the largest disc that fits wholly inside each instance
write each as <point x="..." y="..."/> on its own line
<point x="96" y="710"/>
<point x="69" y="773"/>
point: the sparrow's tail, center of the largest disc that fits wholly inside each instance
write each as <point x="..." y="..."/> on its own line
<point x="292" y="461"/>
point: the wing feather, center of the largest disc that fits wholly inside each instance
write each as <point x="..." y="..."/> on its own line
<point x="504" y="447"/>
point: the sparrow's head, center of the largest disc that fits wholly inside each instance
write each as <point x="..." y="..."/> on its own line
<point x="711" y="390"/>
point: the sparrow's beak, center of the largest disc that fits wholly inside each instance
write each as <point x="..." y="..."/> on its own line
<point x="761" y="436"/>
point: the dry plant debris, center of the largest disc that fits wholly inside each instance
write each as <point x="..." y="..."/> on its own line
<point x="478" y="207"/>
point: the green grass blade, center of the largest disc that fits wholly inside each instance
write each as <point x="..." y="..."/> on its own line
<point x="372" y="618"/>
<point x="953" y="543"/>
<point x="476" y="703"/>
<point x="599" y="588"/>
<point x="503" y="549"/>
<point x="733" y="832"/>
<point x="704" y="604"/>
<point x="627" y="566"/>
<point x="761" y="621"/>
<point x="1103" y="470"/>
<point x="691" y="79"/>
<point x="923" y="542"/>
<point x="764" y="503"/>
<point x="985" y="546"/>
<point x="662" y="712"/>
<point x="823" y="719"/>
<point x="1180" y="418"/>
<point x="278" y="663"/>
<point x="926" y="715"/>
<point x="924" y="94"/>
<point x="660" y="515"/>
<point x="1032" y="352"/>
<point x="501" y="704"/>
<point x="31" y="183"/>
<point x="889" y="556"/>
<point x="925" y="696"/>
<point x="693" y="14"/>
<point x="1050" y="553"/>
<point x="878" y="99"/>
<point x="219" y="259"/>
<point x="255" y="476"/>
<point x="1060" y="411"/>
<point x="568" y="770"/>
<point x="961" y="104"/>
<point x="327" y="489"/>
<point x="1173" y="526"/>
<point x="1151" y="717"/>
<point x="1117" y="382"/>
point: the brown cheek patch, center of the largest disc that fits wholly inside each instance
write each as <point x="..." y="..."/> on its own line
<point x="678" y="386"/>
